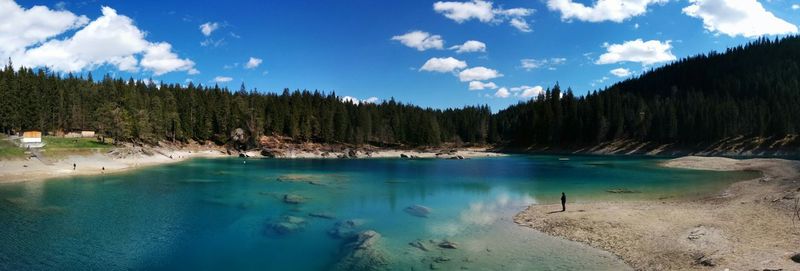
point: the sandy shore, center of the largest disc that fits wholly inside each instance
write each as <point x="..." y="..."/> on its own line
<point x="752" y="225"/>
<point x="91" y="164"/>
<point x="120" y="159"/>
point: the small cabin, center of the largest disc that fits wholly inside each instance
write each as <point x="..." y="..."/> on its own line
<point x="32" y="137"/>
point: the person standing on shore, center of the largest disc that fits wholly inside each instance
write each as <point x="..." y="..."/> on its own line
<point x="563" y="202"/>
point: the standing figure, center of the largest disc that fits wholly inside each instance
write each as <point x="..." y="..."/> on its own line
<point x="563" y="202"/>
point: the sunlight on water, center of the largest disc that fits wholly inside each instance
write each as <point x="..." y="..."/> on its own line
<point x="299" y="214"/>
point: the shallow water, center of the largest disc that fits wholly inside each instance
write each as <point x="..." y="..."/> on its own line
<point x="219" y="214"/>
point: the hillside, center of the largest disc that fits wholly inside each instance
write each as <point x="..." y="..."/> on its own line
<point x="743" y="101"/>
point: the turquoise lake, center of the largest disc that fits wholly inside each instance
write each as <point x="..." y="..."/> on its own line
<point x="221" y="214"/>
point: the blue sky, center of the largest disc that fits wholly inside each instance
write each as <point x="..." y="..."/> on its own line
<point x="360" y="48"/>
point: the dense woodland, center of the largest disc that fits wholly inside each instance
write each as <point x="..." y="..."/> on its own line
<point x="751" y="90"/>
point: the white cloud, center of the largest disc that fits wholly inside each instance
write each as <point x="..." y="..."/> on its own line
<point x="448" y="64"/>
<point x="222" y="79"/>
<point x="603" y="10"/>
<point x="160" y="59"/>
<point x="520" y="25"/>
<point x="465" y="11"/>
<point x="20" y="28"/>
<point x="193" y="71"/>
<point x="621" y="72"/>
<point x="747" y="18"/>
<point x="212" y="42"/>
<point x="469" y="47"/>
<point x="208" y="28"/>
<point x="371" y="100"/>
<point x="253" y="63"/>
<point x="484" y="11"/>
<point x="420" y="40"/>
<point x="478" y="85"/>
<point x="111" y="39"/>
<point x="795" y="6"/>
<point x="529" y="64"/>
<point x="502" y="93"/>
<point x="478" y="74"/>
<point x="527" y="91"/>
<point x="649" y="52"/>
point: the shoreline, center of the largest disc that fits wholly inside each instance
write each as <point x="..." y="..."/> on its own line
<point x="131" y="158"/>
<point x="747" y="226"/>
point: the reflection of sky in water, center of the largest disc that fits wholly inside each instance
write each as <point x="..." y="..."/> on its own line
<point x="212" y="214"/>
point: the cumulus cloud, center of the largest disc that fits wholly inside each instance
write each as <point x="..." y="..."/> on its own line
<point x="160" y="59"/>
<point x="603" y="10"/>
<point x="649" y="52"/>
<point x="222" y="79"/>
<point x="747" y="18"/>
<point x="469" y="47"/>
<point x="621" y="72"/>
<point x="448" y="64"/>
<point x="20" y="27"/>
<point x="502" y="93"/>
<point x="484" y="11"/>
<point x="795" y="6"/>
<point x="478" y="85"/>
<point x="253" y="63"/>
<point x="478" y="74"/>
<point x="420" y="40"/>
<point x="527" y="91"/>
<point x="530" y="64"/>
<point x="111" y="39"/>
<point x="208" y="28"/>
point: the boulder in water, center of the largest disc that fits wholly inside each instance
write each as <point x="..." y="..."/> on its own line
<point x="418" y="210"/>
<point x="293" y="199"/>
<point x="345" y="229"/>
<point x="325" y="215"/>
<point x="448" y="244"/>
<point x="285" y="225"/>
<point x="418" y="244"/>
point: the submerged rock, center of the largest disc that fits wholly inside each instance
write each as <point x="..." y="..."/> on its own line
<point x="403" y="155"/>
<point x="345" y="229"/>
<point x="325" y="215"/>
<point x="418" y="244"/>
<point x="418" y="210"/>
<point x="448" y="244"/>
<point x="285" y="225"/>
<point x="622" y="191"/>
<point x="293" y="199"/>
<point x="362" y="253"/>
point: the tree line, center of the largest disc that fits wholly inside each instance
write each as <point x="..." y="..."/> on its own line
<point x="749" y="90"/>
<point x="142" y="112"/>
